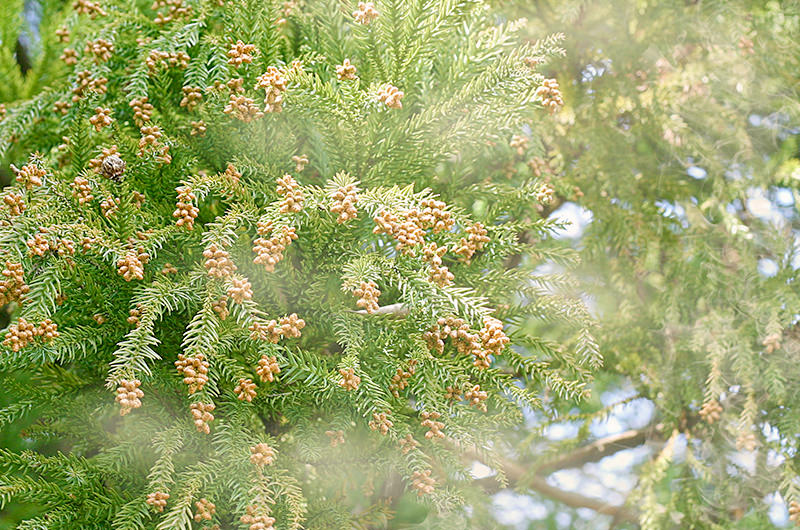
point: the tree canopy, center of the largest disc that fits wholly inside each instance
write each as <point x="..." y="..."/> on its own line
<point x="391" y="264"/>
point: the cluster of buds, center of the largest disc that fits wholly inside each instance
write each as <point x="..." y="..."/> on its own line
<point x="350" y="380"/>
<point x="12" y="284"/>
<point x="38" y="244"/>
<point x="476" y="238"/>
<point x="545" y="194"/>
<point x="97" y="163"/>
<point x="260" y="330"/>
<point x="102" y="118"/>
<point x="257" y="521"/>
<point x="158" y="500"/>
<point x="158" y="59"/>
<point x="459" y="333"/>
<point x="176" y="9"/>
<point x="47" y="330"/>
<point x="746" y="441"/>
<point x="539" y="166"/>
<point x="288" y="7"/>
<point x="81" y="190"/>
<point x="15" y="203"/>
<point x="20" y="335"/>
<point x="300" y="162"/>
<point x="292" y="195"/>
<point x="109" y="206"/>
<point x="423" y="482"/>
<point x="185" y="210"/>
<point x="390" y="95"/>
<point x="205" y="510"/>
<point x="336" y="437"/>
<point x="438" y="274"/>
<point x="87" y="243"/>
<point x="431" y="421"/>
<point x="711" y="411"/>
<point x="62" y="34"/>
<point x="794" y="512"/>
<point x="343" y="201"/>
<point x="367" y="294"/>
<point x="150" y="142"/>
<point x="220" y="307"/>
<point x="198" y="128"/>
<point x="380" y="422"/>
<point x="201" y="415"/>
<point x="267" y="368"/>
<point x="493" y="337"/>
<point x="273" y="82"/>
<point x="520" y="143"/>
<point x="169" y="268"/>
<point x="242" y="108"/>
<point x="365" y="13"/>
<point x="129" y="396"/>
<point x="291" y="325"/>
<point x="476" y="397"/>
<point x="85" y="83"/>
<point x="235" y="85"/>
<point x="192" y="97"/>
<point x="218" y="262"/>
<point x="66" y="247"/>
<point x="433" y="215"/>
<point x="746" y="45"/>
<point x="401" y="377"/>
<point x="131" y="267"/>
<point x="240" y="290"/>
<point x="262" y="455"/>
<point x="137" y="198"/>
<point x="407" y="233"/>
<point x="29" y="175"/>
<point x="453" y="393"/>
<point x="88" y="7"/>
<point x="771" y="342"/>
<point x="245" y="390"/>
<point x="232" y="175"/>
<point x="69" y="56"/>
<point x="550" y="95"/>
<point x="346" y="70"/>
<point x="101" y="49"/>
<point x="134" y="314"/>
<point x="270" y="251"/>
<point x="194" y="371"/>
<point x="408" y="444"/>
<point x="142" y="110"/>
<point x="241" y="53"/>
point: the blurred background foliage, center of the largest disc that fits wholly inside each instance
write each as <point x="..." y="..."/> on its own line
<point x="675" y="163"/>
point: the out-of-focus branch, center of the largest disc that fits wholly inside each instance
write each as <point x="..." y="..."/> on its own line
<point x="518" y="475"/>
<point x="600" y="449"/>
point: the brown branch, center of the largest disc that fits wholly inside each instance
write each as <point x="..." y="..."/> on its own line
<point x="538" y="483"/>
<point x="599" y="449"/>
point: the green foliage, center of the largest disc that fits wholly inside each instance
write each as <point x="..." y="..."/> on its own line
<point x="680" y="132"/>
<point x="130" y="289"/>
